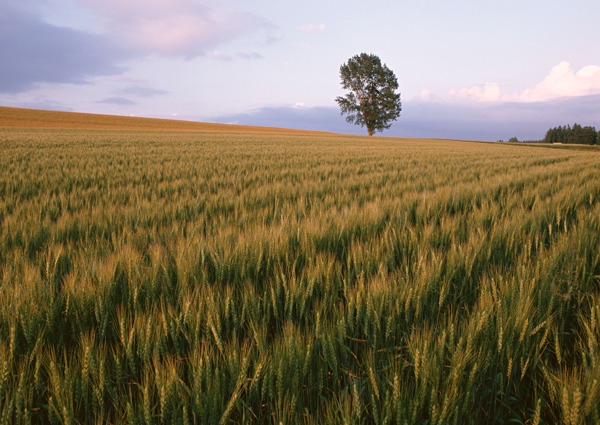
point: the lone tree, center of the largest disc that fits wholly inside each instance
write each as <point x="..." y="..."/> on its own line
<point x="372" y="101"/>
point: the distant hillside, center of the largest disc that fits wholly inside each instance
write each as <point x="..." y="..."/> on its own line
<point x="35" y="118"/>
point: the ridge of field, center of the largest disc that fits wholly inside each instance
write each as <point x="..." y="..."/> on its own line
<point x="37" y="118"/>
<point x="206" y="277"/>
<point x="558" y="146"/>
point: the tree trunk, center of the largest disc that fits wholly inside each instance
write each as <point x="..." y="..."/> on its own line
<point x="370" y="131"/>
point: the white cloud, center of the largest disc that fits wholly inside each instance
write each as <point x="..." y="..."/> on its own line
<point x="562" y="81"/>
<point x="312" y="28"/>
<point x="489" y="92"/>
<point x="429" y="96"/>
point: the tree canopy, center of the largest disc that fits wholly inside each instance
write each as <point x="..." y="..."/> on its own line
<point x="573" y="135"/>
<point x="372" y="101"/>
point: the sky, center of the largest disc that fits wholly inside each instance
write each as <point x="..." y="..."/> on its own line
<point x="486" y="70"/>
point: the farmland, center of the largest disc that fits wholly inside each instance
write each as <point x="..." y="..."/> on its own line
<point x="220" y="276"/>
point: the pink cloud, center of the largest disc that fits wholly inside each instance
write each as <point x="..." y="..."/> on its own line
<point x="312" y="28"/>
<point x="173" y="27"/>
<point x="218" y="55"/>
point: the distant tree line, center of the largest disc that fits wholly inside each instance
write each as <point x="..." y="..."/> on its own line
<point x="515" y="140"/>
<point x="573" y="135"/>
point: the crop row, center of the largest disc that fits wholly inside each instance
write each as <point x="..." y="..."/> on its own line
<point x="184" y="278"/>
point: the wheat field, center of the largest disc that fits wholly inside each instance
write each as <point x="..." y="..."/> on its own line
<point x="217" y="277"/>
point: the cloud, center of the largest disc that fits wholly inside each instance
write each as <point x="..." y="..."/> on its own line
<point x="142" y="91"/>
<point x="429" y="96"/>
<point x="41" y="102"/>
<point x="118" y="101"/>
<point x="296" y="116"/>
<point x="312" y="28"/>
<point x="562" y="81"/>
<point x="445" y="120"/>
<point x="186" y="28"/>
<point x="489" y="92"/>
<point x="494" y="121"/>
<point x="32" y="51"/>
<point x="220" y="56"/>
<point x="249" y="55"/>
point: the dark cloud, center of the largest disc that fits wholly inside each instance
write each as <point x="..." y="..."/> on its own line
<point x="41" y="102"/>
<point x="445" y="120"/>
<point x="142" y="91"/>
<point x="220" y="56"/>
<point x="118" y="101"/>
<point x="32" y="51"/>
<point x="318" y="118"/>
<point x="483" y="121"/>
